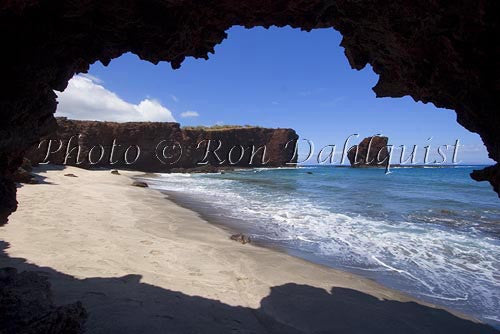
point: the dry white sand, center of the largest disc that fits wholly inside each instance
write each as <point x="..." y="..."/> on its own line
<point x="141" y="263"/>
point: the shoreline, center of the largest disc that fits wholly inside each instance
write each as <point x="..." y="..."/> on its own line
<point x="210" y="218"/>
<point x="97" y="227"/>
<point x="233" y="225"/>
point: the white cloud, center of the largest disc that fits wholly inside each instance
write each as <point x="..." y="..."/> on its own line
<point x="86" y="99"/>
<point x="189" y="114"/>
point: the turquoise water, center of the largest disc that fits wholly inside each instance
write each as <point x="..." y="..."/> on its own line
<point x="431" y="232"/>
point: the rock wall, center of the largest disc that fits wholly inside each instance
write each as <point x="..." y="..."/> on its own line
<point x="163" y="146"/>
<point x="436" y="51"/>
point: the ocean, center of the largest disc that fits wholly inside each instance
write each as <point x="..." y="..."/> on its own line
<point x="433" y="233"/>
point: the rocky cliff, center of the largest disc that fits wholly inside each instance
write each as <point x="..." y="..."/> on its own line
<point x="370" y="152"/>
<point x="163" y="147"/>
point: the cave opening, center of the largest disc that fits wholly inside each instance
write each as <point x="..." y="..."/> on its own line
<point x="276" y="77"/>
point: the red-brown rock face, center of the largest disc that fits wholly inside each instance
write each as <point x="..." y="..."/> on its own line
<point x="436" y="51"/>
<point x="163" y="147"/>
<point x="370" y="152"/>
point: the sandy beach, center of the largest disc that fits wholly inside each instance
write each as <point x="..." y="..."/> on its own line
<point x="142" y="264"/>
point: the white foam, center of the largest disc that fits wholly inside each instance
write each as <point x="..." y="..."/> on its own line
<point x="402" y="272"/>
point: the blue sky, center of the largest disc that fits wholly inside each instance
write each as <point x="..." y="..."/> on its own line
<point x="280" y="77"/>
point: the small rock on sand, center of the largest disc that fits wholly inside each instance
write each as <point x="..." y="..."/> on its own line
<point x="140" y="184"/>
<point x="115" y="172"/>
<point x="241" y="238"/>
<point x="70" y="175"/>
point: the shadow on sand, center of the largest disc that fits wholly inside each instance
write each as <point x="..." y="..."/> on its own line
<point x="40" y="179"/>
<point x="125" y="305"/>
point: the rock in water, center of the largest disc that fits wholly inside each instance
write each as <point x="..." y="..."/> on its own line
<point x="140" y="184"/>
<point x="371" y="152"/>
<point x="241" y="238"/>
